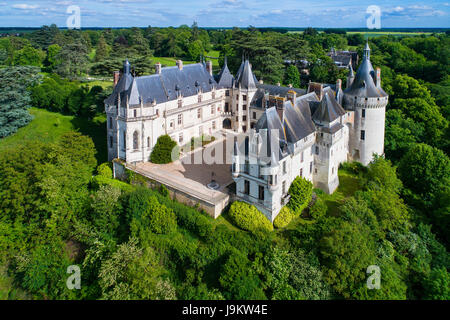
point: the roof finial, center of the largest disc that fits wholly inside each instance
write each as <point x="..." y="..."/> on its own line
<point x="367" y="50"/>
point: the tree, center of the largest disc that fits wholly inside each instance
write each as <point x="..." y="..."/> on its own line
<point x="73" y="59"/>
<point x="52" y="54"/>
<point x="28" y="56"/>
<point x="15" y="98"/>
<point x="425" y="170"/>
<point x="195" y="50"/>
<point x="437" y="285"/>
<point x="102" y="50"/>
<point x="292" y="76"/>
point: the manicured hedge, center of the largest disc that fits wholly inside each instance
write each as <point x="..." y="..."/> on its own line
<point x="283" y="218"/>
<point x="162" y="152"/>
<point x="248" y="217"/>
<point x="105" y="170"/>
<point x="99" y="180"/>
<point x="301" y="194"/>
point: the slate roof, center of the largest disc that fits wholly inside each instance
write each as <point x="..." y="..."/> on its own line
<point x="296" y="125"/>
<point x="364" y="85"/>
<point x="328" y="109"/>
<point x="273" y="90"/>
<point x="163" y="87"/>
<point x="225" y="79"/>
<point x="245" y="77"/>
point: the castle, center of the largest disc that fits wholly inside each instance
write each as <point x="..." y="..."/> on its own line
<point x="314" y="130"/>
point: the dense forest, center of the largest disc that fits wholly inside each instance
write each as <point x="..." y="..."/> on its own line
<point x="60" y="206"/>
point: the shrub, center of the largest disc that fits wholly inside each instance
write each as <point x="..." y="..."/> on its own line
<point x="162" y="219"/>
<point x="301" y="194"/>
<point x="98" y="181"/>
<point x="104" y="170"/>
<point x="353" y="167"/>
<point x="283" y="218"/>
<point x="319" y="209"/>
<point x="162" y="152"/>
<point x="248" y="217"/>
<point x="164" y="191"/>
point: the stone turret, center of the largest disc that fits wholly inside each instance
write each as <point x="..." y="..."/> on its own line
<point x="368" y="100"/>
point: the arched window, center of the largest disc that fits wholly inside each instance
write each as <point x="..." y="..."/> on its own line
<point x="148" y="142"/>
<point x="136" y="140"/>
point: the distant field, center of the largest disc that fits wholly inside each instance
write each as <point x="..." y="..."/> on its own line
<point x="50" y="126"/>
<point x="380" y="33"/>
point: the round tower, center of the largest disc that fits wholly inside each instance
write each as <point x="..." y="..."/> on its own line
<point x="365" y="97"/>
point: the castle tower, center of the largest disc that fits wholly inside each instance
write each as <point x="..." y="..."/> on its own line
<point x="243" y="93"/>
<point x="368" y="100"/>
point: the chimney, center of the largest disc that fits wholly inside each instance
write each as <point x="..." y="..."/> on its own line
<point x="158" y="68"/>
<point x="338" y="85"/>
<point x="180" y="64"/>
<point x="116" y="77"/>
<point x="378" y="78"/>
<point x="209" y="67"/>
<point x="317" y="88"/>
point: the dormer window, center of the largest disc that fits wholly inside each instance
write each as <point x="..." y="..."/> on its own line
<point x="135" y="113"/>
<point x="180" y="103"/>
<point x="199" y="97"/>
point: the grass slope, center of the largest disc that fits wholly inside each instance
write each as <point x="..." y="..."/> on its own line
<point x="50" y="126"/>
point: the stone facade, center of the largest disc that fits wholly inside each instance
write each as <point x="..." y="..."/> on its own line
<point x="287" y="132"/>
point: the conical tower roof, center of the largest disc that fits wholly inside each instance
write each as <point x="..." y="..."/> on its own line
<point x="364" y="83"/>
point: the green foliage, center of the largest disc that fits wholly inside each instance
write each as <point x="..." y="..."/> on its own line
<point x="239" y="280"/>
<point x="425" y="170"/>
<point x="283" y="218"/>
<point x="301" y="193"/>
<point x="249" y="218"/>
<point x="165" y="150"/>
<point x="15" y="98"/>
<point x="105" y="170"/>
<point x="292" y="76"/>
<point x="318" y="209"/>
<point x="28" y="56"/>
<point x="437" y="285"/>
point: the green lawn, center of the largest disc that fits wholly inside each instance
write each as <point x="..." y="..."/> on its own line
<point x="348" y="184"/>
<point x="169" y="62"/>
<point x="50" y="126"/>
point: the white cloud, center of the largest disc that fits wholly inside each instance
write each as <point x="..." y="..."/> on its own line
<point x="24" y="6"/>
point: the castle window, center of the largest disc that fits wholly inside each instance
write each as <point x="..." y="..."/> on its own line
<point x="214" y="125"/>
<point x="284" y="167"/>
<point x="124" y="140"/>
<point x="301" y="172"/>
<point x="213" y="95"/>
<point x="180" y="119"/>
<point x="310" y="167"/>
<point x="110" y="141"/>
<point x="254" y="115"/>
<point x="180" y="103"/>
<point x="180" y="138"/>
<point x="199" y="98"/>
<point x="136" y="140"/>
<point x="317" y="150"/>
<point x="213" y="110"/>
<point x="244" y="107"/>
<point x="237" y="118"/>
<point x="172" y="124"/>
<point x="244" y="118"/>
<point x="363" y="113"/>
<point x="135" y="113"/>
<point x="321" y="134"/>
<point x="110" y="123"/>
<point x="199" y="113"/>
<point x="148" y="142"/>
<point x="283" y="188"/>
<point x="244" y="97"/>
<point x="315" y="170"/>
<point x="227" y="93"/>
<point x="261" y="193"/>
<point x="363" y="135"/>
<point x="244" y="128"/>
<point x="227" y="107"/>
<point x="237" y="97"/>
<point x="246" y="187"/>
<point x="302" y="156"/>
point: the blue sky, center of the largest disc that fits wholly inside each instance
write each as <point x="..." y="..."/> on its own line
<point x="225" y="13"/>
